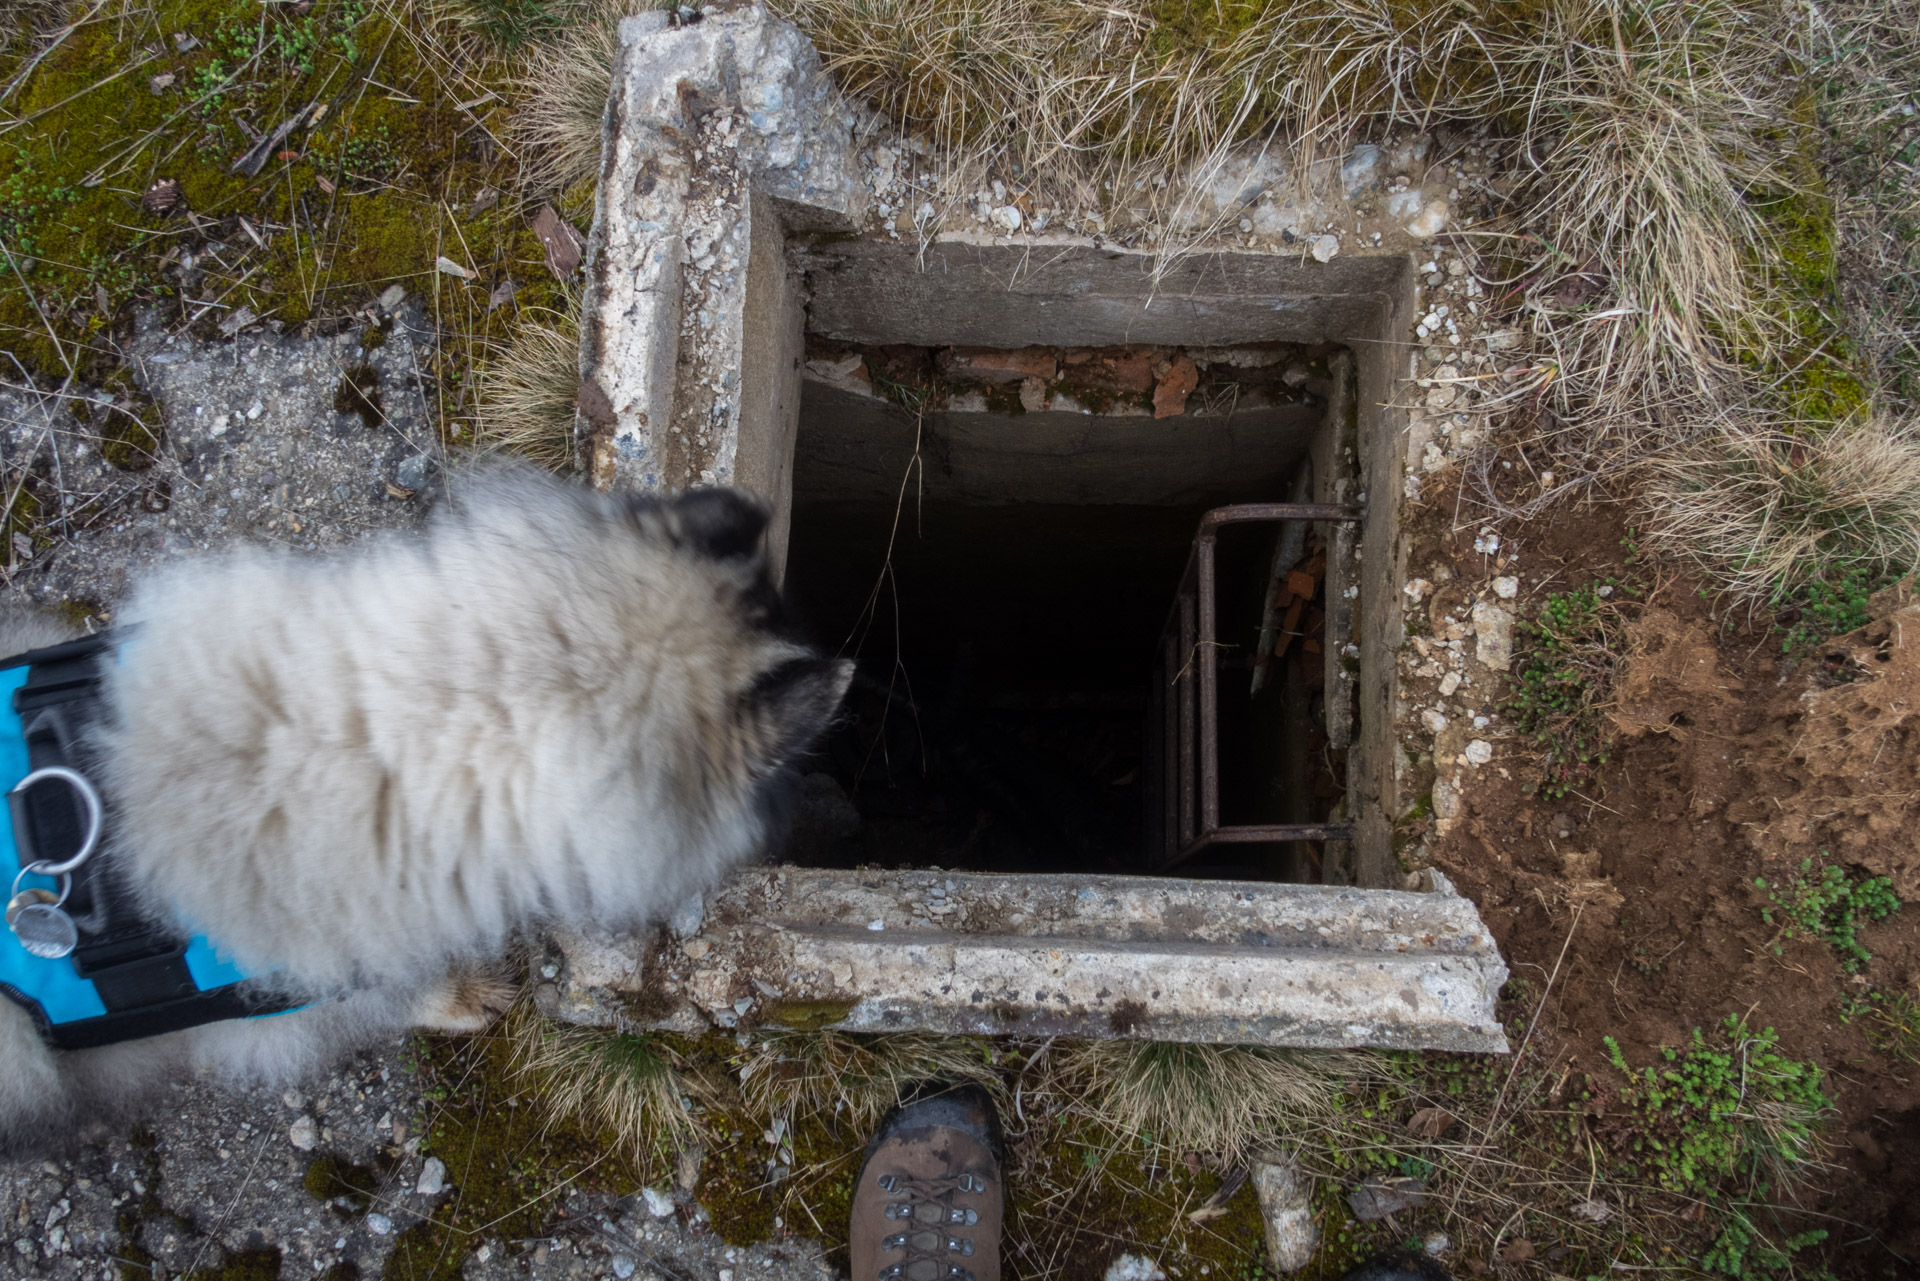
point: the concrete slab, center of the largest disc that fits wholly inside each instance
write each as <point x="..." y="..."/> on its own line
<point x="1141" y="958"/>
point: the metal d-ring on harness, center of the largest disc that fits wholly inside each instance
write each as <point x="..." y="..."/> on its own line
<point x="35" y="915"/>
<point x="84" y="957"/>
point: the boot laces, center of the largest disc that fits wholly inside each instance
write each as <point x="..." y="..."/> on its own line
<point x="929" y="1214"/>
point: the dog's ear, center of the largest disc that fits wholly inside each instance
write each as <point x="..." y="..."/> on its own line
<point x="791" y="705"/>
<point x="723" y="522"/>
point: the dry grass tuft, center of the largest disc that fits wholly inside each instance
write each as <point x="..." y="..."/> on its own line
<point x="1644" y="129"/>
<point x="859" y="1077"/>
<point x="1870" y="63"/>
<point x="562" y="93"/>
<point x="1761" y="508"/>
<point x="1224" y="1099"/>
<point x="625" y="1083"/>
<point x="524" y="398"/>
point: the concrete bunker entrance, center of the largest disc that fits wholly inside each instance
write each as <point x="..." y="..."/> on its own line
<point x="998" y="472"/>
<point x="740" y="326"/>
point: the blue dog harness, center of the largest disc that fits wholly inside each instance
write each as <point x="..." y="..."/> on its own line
<point x="127" y="976"/>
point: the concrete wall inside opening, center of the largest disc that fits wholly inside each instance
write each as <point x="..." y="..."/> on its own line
<point x="994" y="494"/>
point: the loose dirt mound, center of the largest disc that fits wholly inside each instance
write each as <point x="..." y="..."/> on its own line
<point x="1838" y="764"/>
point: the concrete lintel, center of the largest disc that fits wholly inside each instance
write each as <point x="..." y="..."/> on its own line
<point x="1131" y="957"/>
<point x="716" y="133"/>
<point x="957" y="290"/>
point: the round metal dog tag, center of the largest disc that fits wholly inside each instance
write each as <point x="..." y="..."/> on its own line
<point x="45" y="931"/>
<point x="26" y="898"/>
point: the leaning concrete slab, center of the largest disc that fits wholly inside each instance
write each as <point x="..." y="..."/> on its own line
<point x="1099" y="956"/>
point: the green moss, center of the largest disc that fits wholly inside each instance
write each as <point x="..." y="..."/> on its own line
<point x="508" y="1161"/>
<point x="247" y="1265"/>
<point x="23" y="514"/>
<point x="127" y="432"/>
<point x="807" y="1016"/>
<point x="131" y="1261"/>
<point x="347" y="1187"/>
<point x="398" y="160"/>
<point x="1800" y="347"/>
<point x="79" y="613"/>
<point x="359" y="393"/>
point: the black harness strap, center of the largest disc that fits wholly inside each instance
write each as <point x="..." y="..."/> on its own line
<point x="136" y="965"/>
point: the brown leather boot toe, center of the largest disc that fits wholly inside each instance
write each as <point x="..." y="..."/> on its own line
<point x="927" y="1204"/>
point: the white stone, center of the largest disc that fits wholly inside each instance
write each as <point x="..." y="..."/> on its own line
<point x="1431" y="220"/>
<point x="379" y="1224"/>
<point x="688" y="916"/>
<point x="1433" y="720"/>
<point x="1506" y="588"/>
<point x="1033" y="395"/>
<point x="301" y="1134"/>
<point x="1449" y="683"/>
<point x="1417" y="589"/>
<point x="1493" y="635"/>
<point x="659" y="1204"/>
<point x="392" y="297"/>
<point x="433" y="1177"/>
<point x="448" y="267"/>
<point x="1131" y="1267"/>
<point x="1361" y="170"/>
<point x="623" y="1266"/>
<point x="1007" y="216"/>
<point x="1324" y="248"/>
<point x="1479" y="752"/>
<point x="1286" y="1212"/>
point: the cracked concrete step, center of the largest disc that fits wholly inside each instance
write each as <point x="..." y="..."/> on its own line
<point x="1104" y="956"/>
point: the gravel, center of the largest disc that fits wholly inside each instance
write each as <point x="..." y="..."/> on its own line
<point x="215" y="1179"/>
<point x="253" y="449"/>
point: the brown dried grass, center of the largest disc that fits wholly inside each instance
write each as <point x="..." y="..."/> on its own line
<point x="562" y="89"/>
<point x="627" y="1084"/>
<point x="524" y="397"/>
<point x="859" y="1078"/>
<point x="1224" y="1099"/>
<point x="1760" y="506"/>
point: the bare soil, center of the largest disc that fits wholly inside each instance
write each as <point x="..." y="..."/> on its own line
<point x="1731" y="764"/>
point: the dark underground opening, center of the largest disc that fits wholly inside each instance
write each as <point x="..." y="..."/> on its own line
<point x="997" y="537"/>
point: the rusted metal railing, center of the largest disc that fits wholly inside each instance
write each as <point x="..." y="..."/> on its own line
<point x="1187" y="703"/>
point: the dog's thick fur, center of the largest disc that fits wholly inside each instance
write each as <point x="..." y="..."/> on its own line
<point x="361" y="774"/>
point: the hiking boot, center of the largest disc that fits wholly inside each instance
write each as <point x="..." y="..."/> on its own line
<point x="926" y="1206"/>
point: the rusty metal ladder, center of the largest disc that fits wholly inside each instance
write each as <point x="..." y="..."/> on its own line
<point x="1186" y="704"/>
